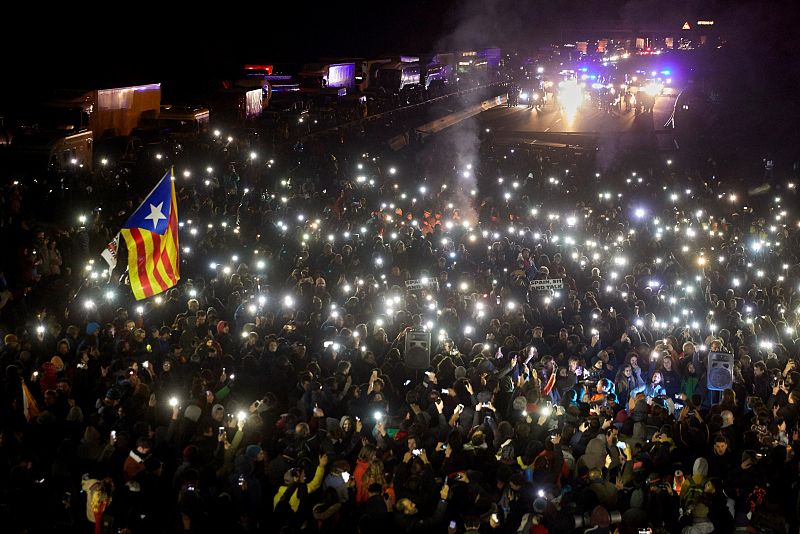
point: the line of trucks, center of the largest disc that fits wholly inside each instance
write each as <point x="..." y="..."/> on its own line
<point x="65" y="128"/>
<point x="404" y="79"/>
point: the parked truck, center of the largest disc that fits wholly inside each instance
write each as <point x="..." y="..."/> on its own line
<point x="237" y="104"/>
<point x="111" y="112"/>
<point x="401" y="81"/>
<point x="440" y="75"/>
<point x="315" y="77"/>
<point x="51" y="150"/>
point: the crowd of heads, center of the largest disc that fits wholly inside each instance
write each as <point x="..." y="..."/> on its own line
<point x="600" y="350"/>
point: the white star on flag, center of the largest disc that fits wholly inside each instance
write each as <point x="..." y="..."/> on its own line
<point x="156" y="214"/>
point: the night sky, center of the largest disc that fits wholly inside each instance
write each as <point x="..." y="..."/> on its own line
<point x="118" y="42"/>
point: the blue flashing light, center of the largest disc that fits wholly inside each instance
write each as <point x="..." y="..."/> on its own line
<point x="666" y="72"/>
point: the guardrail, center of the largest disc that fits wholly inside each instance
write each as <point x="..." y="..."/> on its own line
<point x="407" y="109"/>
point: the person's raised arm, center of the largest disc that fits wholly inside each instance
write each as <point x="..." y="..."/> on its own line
<point x="316" y="482"/>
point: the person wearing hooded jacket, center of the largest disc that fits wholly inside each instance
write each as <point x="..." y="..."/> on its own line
<point x="598" y="448"/>
<point x="693" y="486"/>
<point x="293" y="479"/>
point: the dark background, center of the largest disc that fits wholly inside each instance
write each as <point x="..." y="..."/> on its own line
<point x="84" y="42"/>
<point x="754" y="79"/>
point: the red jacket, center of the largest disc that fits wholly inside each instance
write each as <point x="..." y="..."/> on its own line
<point x="358" y="474"/>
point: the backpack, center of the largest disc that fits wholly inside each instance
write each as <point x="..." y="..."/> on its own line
<point x="506" y="453"/>
<point x="692" y="492"/>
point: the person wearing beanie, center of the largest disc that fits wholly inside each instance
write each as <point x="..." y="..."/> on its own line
<point x="694" y="486"/>
<point x="635" y="516"/>
<point x="192" y="413"/>
<point x="600" y="520"/>
<point x="253" y="452"/>
<point x="223" y="337"/>
<point x="218" y="414"/>
<point x="190" y="456"/>
<point x="460" y="372"/>
<point x="700" y="470"/>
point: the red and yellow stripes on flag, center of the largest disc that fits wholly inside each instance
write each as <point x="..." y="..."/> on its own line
<point x="153" y="264"/>
<point x="29" y="406"/>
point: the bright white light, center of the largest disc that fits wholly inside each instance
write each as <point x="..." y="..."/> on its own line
<point x="571" y="97"/>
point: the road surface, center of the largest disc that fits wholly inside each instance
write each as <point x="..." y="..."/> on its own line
<point x="587" y="119"/>
<point x="621" y="130"/>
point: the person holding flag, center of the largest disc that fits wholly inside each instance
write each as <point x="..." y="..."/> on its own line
<point x="151" y="236"/>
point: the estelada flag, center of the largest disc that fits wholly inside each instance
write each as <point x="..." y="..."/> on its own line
<point x="151" y="235"/>
<point x="110" y="253"/>
<point x="29" y="406"/>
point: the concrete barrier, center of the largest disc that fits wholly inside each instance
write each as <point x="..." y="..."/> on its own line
<point x="435" y="126"/>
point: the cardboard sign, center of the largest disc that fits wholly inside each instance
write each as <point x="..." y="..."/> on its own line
<point x="544" y="285"/>
<point x="416" y="285"/>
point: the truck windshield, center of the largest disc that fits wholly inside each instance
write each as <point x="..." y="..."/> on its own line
<point x="311" y="82"/>
<point x="389" y="79"/>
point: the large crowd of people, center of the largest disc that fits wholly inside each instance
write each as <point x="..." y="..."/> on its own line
<point x="575" y="319"/>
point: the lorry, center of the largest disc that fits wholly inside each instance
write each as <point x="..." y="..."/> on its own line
<point x="400" y="80"/>
<point x="51" y="150"/>
<point x="182" y="120"/>
<point x="110" y="112"/>
<point x="329" y="78"/>
<point x="237" y="104"/>
<point x="440" y="75"/>
<point x="365" y="70"/>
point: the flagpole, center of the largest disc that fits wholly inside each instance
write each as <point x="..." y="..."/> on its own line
<point x="171" y="173"/>
<point x="118" y="236"/>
